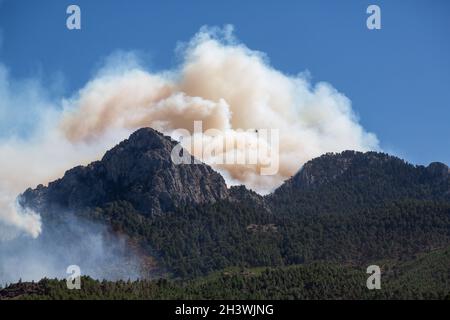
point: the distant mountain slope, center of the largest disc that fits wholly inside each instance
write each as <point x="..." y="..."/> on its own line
<point x="358" y="207"/>
<point x="351" y="181"/>
<point x="351" y="208"/>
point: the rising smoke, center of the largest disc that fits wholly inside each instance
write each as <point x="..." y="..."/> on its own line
<point x="228" y="87"/>
<point x="219" y="81"/>
<point x="67" y="241"/>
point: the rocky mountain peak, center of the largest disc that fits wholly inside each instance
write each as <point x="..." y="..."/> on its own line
<point x="138" y="170"/>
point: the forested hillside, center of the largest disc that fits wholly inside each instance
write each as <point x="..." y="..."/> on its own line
<point x="424" y="277"/>
<point x="339" y="213"/>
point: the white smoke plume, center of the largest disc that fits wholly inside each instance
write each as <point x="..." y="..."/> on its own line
<point x="228" y="87"/>
<point x="219" y="81"/>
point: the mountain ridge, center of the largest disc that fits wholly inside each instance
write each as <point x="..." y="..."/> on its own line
<point x="344" y="160"/>
<point x="113" y="169"/>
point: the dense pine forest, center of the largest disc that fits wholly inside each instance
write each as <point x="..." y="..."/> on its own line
<point x="350" y="220"/>
<point x="424" y="277"/>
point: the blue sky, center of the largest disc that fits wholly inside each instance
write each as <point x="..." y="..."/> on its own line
<point x="398" y="78"/>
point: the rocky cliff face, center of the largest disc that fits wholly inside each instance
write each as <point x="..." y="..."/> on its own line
<point x="138" y="170"/>
<point x="439" y="170"/>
